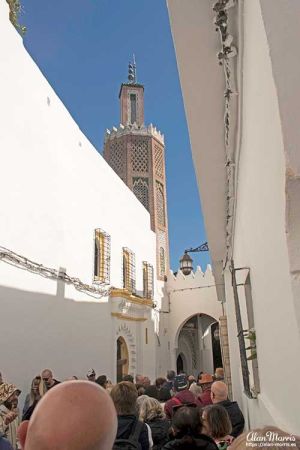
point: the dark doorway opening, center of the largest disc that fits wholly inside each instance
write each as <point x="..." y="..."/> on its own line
<point x="215" y="338"/>
<point x="122" y="359"/>
<point x="179" y="364"/>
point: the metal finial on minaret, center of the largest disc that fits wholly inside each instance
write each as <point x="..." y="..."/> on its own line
<point x="132" y="72"/>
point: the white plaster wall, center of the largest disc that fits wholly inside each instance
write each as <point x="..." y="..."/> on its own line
<point x="283" y="34"/>
<point x="260" y="240"/>
<point x="56" y="189"/>
<point x="189" y="295"/>
<point x="207" y="353"/>
<point x="161" y="314"/>
<point x="202" y="82"/>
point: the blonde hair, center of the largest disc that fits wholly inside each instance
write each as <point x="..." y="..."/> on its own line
<point x="241" y="441"/>
<point x="41" y="389"/>
<point x="149" y="408"/>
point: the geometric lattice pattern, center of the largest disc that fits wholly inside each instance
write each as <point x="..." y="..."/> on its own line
<point x="117" y="150"/>
<point x="162" y="261"/>
<point x="147" y="280"/>
<point x="160" y="204"/>
<point x="141" y="190"/>
<point x="129" y="270"/>
<point x="101" y="257"/>
<point x="161" y="245"/>
<point x="159" y="161"/>
<point x="139" y="155"/>
<point x="161" y="238"/>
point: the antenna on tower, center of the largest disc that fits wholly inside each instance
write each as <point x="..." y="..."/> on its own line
<point x="132" y="71"/>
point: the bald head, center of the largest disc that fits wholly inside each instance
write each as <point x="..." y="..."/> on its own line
<point x="219" y="392"/>
<point x="74" y="415"/>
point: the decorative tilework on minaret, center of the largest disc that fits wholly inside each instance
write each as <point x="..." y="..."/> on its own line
<point x="137" y="154"/>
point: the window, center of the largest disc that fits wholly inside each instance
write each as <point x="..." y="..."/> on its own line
<point x="132" y="108"/>
<point x="128" y="270"/>
<point x="102" y="257"/>
<point x="147" y="280"/>
<point x="162" y="262"/>
<point x="160" y="204"/>
<point x="141" y="190"/>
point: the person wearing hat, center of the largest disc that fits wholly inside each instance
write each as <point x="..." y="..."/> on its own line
<point x="182" y="396"/>
<point x="9" y="414"/>
<point x="205" y="382"/>
<point x="91" y="375"/>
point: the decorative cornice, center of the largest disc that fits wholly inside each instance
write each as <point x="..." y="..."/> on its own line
<point x="144" y="130"/>
<point x="123" y="293"/>
<point x="125" y="317"/>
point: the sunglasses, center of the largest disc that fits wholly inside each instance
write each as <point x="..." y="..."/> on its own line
<point x="45" y="379"/>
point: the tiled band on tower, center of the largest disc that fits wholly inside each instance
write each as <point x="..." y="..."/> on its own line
<point x="136" y="153"/>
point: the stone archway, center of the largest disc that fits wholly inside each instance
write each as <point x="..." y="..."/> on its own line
<point x="128" y="338"/>
<point x="122" y="358"/>
<point x="197" y="340"/>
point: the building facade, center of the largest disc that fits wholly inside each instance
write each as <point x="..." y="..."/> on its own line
<point x="83" y="282"/>
<point x="245" y="142"/>
<point x="194" y="316"/>
<point x="78" y="280"/>
<point x="136" y="153"/>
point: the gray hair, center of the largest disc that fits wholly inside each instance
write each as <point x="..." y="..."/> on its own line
<point x="195" y="389"/>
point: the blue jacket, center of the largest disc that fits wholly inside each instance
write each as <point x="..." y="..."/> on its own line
<point x="5" y="444"/>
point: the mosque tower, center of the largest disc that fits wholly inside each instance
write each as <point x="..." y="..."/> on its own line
<point x="136" y="152"/>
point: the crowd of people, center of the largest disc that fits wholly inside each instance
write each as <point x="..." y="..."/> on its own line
<point x="176" y="412"/>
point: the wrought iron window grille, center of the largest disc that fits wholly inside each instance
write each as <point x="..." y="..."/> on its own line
<point x="101" y="257"/>
<point x="147" y="280"/>
<point x="129" y="279"/>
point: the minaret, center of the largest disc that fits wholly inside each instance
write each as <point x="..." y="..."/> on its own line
<point x="137" y="154"/>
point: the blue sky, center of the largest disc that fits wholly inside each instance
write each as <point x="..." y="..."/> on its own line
<point x="83" y="48"/>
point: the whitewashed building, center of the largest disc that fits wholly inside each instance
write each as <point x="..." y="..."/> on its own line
<point x="240" y="81"/>
<point x="84" y="266"/>
<point x="64" y="208"/>
<point x="194" y="309"/>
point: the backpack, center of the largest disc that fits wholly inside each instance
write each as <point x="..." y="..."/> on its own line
<point x="132" y="443"/>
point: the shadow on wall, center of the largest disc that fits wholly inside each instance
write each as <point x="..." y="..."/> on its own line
<point x="39" y="331"/>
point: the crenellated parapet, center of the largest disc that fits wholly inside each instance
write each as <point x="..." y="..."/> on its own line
<point x="195" y="280"/>
<point x="144" y="130"/>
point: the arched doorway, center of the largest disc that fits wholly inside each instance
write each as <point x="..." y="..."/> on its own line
<point x="122" y="359"/>
<point x="199" y="346"/>
<point x="180" y="364"/>
<point x="216" y="347"/>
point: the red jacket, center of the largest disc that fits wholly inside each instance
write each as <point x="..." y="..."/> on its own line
<point x="181" y="397"/>
<point x="205" y="397"/>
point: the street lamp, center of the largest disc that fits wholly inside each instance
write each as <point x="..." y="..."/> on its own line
<point x="186" y="262"/>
